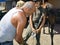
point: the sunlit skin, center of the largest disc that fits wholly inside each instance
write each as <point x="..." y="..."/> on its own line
<point x="19" y="21"/>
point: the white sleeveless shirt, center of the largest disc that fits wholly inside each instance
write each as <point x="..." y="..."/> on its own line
<point x="7" y="30"/>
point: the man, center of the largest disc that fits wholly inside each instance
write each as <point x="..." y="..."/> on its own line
<point x="13" y="23"/>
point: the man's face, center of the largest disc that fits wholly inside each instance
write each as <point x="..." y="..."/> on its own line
<point x="32" y="10"/>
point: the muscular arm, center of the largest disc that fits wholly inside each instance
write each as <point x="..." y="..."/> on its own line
<point x="20" y="26"/>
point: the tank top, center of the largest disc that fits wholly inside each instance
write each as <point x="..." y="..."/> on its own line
<point x="37" y="19"/>
<point x="7" y="30"/>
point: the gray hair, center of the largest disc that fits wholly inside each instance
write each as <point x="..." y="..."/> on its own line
<point x="28" y="5"/>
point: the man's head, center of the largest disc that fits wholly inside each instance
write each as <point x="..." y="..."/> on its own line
<point x="29" y="7"/>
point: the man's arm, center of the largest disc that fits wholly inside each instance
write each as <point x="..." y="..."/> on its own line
<point x="20" y="26"/>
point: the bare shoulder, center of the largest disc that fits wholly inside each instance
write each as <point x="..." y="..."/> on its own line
<point x="21" y="17"/>
<point x="18" y="18"/>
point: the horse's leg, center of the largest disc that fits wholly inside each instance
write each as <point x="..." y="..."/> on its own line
<point x="44" y="29"/>
<point x="52" y="27"/>
<point x="49" y="26"/>
<point x="44" y="26"/>
<point x="51" y="32"/>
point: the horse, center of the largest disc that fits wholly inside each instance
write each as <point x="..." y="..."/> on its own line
<point x="51" y="20"/>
